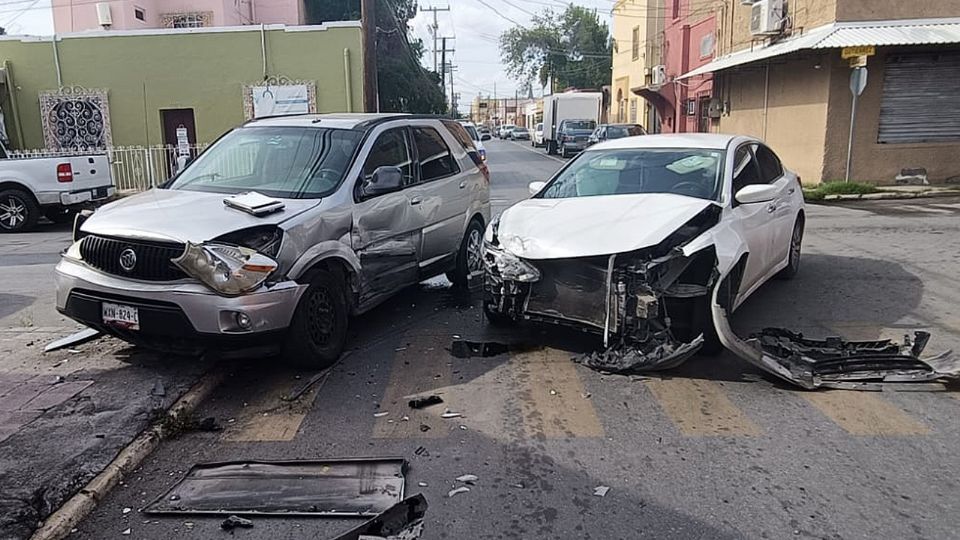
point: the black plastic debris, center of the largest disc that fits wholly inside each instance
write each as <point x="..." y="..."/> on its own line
<point x="425" y="401"/>
<point x="473" y="349"/>
<point x="403" y="521"/>
<point x="654" y="356"/>
<point x="357" y="487"/>
<point x="236" y="522"/>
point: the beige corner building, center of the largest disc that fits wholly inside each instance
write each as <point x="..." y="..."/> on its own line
<point x="783" y="74"/>
<point x="638" y="34"/>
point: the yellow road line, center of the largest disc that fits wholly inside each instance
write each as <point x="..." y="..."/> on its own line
<point x="419" y="368"/>
<point x="861" y="413"/>
<point x="700" y="408"/>
<point x="268" y="417"/>
<point x="552" y="396"/>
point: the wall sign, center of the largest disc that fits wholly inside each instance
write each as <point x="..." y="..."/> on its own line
<point x="279" y="96"/>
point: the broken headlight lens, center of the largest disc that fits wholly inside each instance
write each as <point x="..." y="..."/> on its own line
<point x="228" y="270"/>
<point x="510" y="266"/>
<point x="490" y="235"/>
<point x="264" y="238"/>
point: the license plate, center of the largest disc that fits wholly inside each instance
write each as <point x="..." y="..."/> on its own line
<point x="123" y="316"/>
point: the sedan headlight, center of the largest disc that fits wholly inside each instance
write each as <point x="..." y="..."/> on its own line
<point x="510" y="266"/>
<point x="228" y="270"/>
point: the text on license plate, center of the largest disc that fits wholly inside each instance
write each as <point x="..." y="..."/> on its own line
<point x="123" y="316"/>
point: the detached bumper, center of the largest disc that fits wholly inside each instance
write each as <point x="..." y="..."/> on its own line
<point x="179" y="315"/>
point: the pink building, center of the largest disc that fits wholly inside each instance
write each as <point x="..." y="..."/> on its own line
<point x="80" y="15"/>
<point x="689" y="41"/>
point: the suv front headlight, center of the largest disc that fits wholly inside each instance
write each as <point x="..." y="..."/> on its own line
<point x="228" y="270"/>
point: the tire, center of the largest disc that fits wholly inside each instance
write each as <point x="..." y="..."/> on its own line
<point x="796" y="243"/>
<point x="563" y="153"/>
<point x="469" y="256"/>
<point x="60" y="215"/>
<point x="318" y="331"/>
<point x="19" y="212"/>
<point x="551" y="148"/>
<point x="495" y="318"/>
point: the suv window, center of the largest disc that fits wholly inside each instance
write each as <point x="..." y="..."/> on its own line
<point x="770" y="168"/>
<point x="745" y="170"/>
<point x="436" y="161"/>
<point x="390" y="150"/>
<point x="462" y="134"/>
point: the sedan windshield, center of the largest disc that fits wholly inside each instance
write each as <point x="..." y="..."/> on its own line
<point x="693" y="172"/>
<point x="284" y="162"/>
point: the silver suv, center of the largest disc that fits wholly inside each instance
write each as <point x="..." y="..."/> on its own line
<point x="278" y="233"/>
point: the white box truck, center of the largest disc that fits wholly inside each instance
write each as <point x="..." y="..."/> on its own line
<point x="568" y="106"/>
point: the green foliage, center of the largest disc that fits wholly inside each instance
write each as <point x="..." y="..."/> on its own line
<point x="574" y="47"/>
<point x="405" y="85"/>
<point x="837" y="187"/>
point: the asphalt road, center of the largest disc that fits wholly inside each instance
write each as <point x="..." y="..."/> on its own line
<point x="714" y="449"/>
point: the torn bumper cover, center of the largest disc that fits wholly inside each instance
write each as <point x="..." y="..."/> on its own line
<point x="836" y="363"/>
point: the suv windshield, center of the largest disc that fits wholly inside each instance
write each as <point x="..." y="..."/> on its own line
<point x="693" y="172"/>
<point x="579" y="125"/>
<point x="284" y="162"/>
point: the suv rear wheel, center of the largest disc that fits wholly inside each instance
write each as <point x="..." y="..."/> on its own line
<point x="318" y="331"/>
<point x="18" y="211"/>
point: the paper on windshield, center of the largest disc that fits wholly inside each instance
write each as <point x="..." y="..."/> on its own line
<point x="254" y="203"/>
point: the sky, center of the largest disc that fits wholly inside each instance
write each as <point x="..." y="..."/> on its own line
<point x="477" y="30"/>
<point x="475" y="25"/>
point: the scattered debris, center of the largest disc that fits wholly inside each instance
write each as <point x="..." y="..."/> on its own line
<point x="402" y="521"/>
<point x="553" y="392"/>
<point x="234" y="522"/>
<point x="601" y="491"/>
<point x="188" y="525"/>
<point x="468" y="479"/>
<point x="343" y="487"/>
<point x="380" y="414"/>
<point x="650" y="356"/>
<point x="470" y="349"/>
<point x="450" y="414"/>
<point x="127" y="510"/>
<point x="463" y="427"/>
<point x="158" y="389"/>
<point x="79" y="338"/>
<point x="404" y="418"/>
<point x="422" y="484"/>
<point x="209" y="424"/>
<point x="457" y="491"/>
<point x="586" y="395"/>
<point x="425" y="401"/>
<point x="319" y="377"/>
<point x="126" y="532"/>
<point x="518" y="485"/>
<point x="424" y="428"/>
<point x="421" y="451"/>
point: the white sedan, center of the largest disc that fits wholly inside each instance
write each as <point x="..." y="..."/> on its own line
<point x="648" y="241"/>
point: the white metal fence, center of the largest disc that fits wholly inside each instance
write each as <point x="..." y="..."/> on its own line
<point x="133" y="168"/>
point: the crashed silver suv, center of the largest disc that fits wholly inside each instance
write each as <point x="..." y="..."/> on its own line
<point x="278" y="233"/>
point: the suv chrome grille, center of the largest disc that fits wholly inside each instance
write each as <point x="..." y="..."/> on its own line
<point x="150" y="261"/>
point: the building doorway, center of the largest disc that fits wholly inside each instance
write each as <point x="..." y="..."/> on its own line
<point x="174" y="123"/>
<point x="703" y="110"/>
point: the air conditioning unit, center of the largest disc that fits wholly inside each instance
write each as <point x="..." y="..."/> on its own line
<point x="715" y="108"/>
<point x="659" y="75"/>
<point x="766" y="17"/>
<point x="103" y="14"/>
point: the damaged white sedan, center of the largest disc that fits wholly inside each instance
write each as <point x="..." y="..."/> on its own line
<point x="652" y="241"/>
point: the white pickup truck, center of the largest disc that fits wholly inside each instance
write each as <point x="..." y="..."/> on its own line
<point x="55" y="187"/>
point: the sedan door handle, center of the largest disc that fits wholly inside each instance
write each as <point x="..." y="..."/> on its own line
<point x="791" y="190"/>
<point x="771" y="208"/>
<point x="463" y="184"/>
<point x="415" y="201"/>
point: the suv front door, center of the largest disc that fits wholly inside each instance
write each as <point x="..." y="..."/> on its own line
<point x="387" y="228"/>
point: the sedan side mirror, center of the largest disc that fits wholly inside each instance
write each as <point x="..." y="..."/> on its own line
<point x="756" y="193"/>
<point x="485" y="137"/>
<point x="384" y="180"/>
<point x="535" y="187"/>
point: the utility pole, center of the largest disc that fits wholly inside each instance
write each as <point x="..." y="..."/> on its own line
<point x="433" y="30"/>
<point x="368" y="18"/>
<point x="446" y="67"/>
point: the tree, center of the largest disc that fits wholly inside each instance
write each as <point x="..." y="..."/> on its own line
<point x="405" y="85"/>
<point x="574" y="48"/>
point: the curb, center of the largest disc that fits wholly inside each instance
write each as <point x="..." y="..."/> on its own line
<point x="60" y="523"/>
<point x="892" y="195"/>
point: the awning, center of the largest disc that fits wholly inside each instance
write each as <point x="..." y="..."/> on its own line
<point x="653" y="95"/>
<point x="846" y="34"/>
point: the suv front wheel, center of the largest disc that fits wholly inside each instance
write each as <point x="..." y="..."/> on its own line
<point x="318" y="331"/>
<point x="469" y="256"/>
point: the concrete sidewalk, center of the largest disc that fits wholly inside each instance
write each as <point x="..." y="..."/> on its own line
<point x="901" y="192"/>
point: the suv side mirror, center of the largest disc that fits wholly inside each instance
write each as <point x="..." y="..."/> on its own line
<point x="535" y="187"/>
<point x="384" y="180"/>
<point x="756" y="193"/>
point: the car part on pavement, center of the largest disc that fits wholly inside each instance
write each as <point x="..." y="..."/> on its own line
<point x="425" y="401"/>
<point x="333" y="488"/>
<point x="234" y="522"/>
<point x="79" y="338"/>
<point x="402" y="521"/>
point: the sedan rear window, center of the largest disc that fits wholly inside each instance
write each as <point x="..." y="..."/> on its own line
<point x="616" y="132"/>
<point x="682" y="171"/>
<point x="589" y="125"/>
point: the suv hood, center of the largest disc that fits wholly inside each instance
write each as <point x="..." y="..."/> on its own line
<point x="181" y="216"/>
<point x="590" y="226"/>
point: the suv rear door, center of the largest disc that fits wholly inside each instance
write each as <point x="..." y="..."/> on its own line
<point x="442" y="194"/>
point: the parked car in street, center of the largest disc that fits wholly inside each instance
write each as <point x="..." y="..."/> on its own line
<point x="649" y="242"/>
<point x="605" y="132"/>
<point x="54" y="186"/>
<point x="476" y="137"/>
<point x="279" y="232"/>
<point x="504" y="131"/>
<point x="537" y="139"/>
<point x="568" y="106"/>
<point x="485" y="133"/>
<point x="520" y="134"/>
<point x="574" y="135"/>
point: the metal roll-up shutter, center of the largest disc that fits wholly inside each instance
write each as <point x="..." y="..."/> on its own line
<point x="921" y="101"/>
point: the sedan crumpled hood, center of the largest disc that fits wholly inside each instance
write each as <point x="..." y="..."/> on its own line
<point x="178" y="215"/>
<point x="590" y="226"/>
